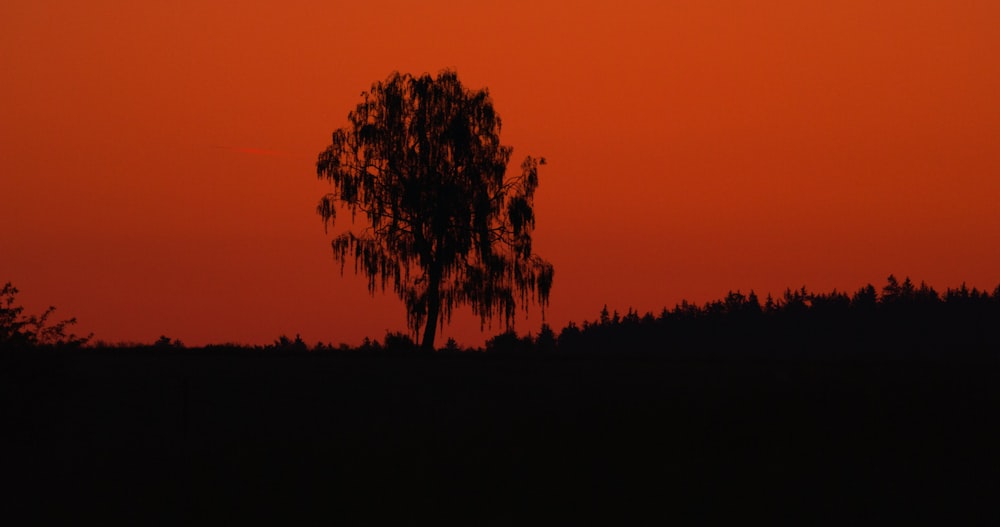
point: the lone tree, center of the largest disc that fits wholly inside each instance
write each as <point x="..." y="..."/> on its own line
<point x="422" y="160"/>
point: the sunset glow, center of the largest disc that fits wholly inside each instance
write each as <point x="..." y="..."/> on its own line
<point x="158" y="159"/>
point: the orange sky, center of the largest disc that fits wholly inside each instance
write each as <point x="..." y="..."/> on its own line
<point x="157" y="158"/>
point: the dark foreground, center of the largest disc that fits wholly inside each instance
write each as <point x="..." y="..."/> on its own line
<point x="182" y="437"/>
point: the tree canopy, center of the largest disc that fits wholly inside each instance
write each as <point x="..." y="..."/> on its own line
<point x="421" y="159"/>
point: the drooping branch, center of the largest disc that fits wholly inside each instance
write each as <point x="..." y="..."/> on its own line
<point x="421" y="160"/>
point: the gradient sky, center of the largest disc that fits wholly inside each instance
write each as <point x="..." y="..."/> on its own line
<point x="158" y="158"/>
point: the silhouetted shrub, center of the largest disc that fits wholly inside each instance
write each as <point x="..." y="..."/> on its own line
<point x="31" y="331"/>
<point x="287" y="345"/>
<point x="545" y="342"/>
<point x="398" y="342"/>
<point x="509" y="342"/>
<point x="165" y="343"/>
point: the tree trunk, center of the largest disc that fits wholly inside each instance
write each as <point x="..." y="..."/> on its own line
<point x="433" y="310"/>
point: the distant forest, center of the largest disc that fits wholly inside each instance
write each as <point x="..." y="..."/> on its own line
<point x="903" y="320"/>
<point x="900" y="320"/>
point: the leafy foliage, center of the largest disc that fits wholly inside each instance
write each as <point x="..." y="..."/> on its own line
<point x="29" y="331"/>
<point x="421" y="159"/>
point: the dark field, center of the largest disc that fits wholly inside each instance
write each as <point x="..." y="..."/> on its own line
<point x="171" y="437"/>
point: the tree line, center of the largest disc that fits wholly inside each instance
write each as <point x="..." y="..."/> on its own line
<point x="902" y="319"/>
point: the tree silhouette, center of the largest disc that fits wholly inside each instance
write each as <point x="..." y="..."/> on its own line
<point x="422" y="160"/>
<point x="18" y="330"/>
